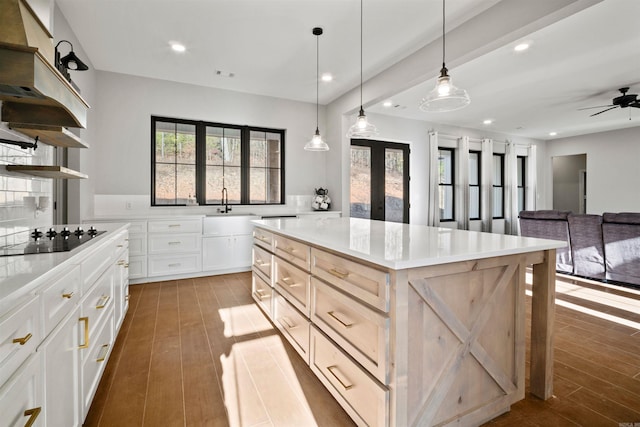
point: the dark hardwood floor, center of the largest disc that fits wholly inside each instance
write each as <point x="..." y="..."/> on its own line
<point x="198" y="352"/>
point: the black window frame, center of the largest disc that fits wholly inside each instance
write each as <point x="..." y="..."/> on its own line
<point x="200" y="132"/>
<point x="522" y="162"/>
<point x="501" y="156"/>
<point x="452" y="185"/>
<point x="478" y="185"/>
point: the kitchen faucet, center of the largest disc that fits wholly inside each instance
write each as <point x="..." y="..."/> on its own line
<point x="225" y="201"/>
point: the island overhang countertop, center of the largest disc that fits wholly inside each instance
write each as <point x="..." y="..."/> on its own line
<point x="400" y="246"/>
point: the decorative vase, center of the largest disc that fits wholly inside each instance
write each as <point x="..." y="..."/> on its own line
<point x="321" y="201"/>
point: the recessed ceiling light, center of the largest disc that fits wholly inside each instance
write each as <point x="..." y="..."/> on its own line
<point x="553" y="133"/>
<point x="487" y="122"/>
<point x="327" y="77"/>
<point x="521" y="46"/>
<point x="178" y="47"/>
<point x="387" y="103"/>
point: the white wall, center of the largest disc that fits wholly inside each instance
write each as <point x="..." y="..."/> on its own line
<point x="613" y="174"/>
<point x="122" y="144"/>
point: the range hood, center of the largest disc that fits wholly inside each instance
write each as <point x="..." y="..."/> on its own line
<point x="31" y="89"/>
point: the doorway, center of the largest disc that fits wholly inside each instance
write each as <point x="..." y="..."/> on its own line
<point x="379" y="180"/>
<point x="570" y="183"/>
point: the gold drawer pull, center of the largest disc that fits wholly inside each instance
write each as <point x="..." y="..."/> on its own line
<point x="175" y="264"/>
<point x="126" y="298"/>
<point x="286" y="322"/>
<point x="103" y="353"/>
<point x="23" y="340"/>
<point x="85" y="320"/>
<point x="334" y="315"/>
<point x="345" y="384"/>
<point x="175" y="243"/>
<point x="120" y="246"/>
<point x="258" y="294"/>
<point x="289" y="250"/>
<point x="286" y="281"/>
<point x="102" y="302"/>
<point x="263" y="238"/>
<point x="261" y="263"/>
<point x="68" y="295"/>
<point x="126" y="265"/>
<point x="174" y="225"/>
<point x="121" y="262"/>
<point x="338" y="274"/>
<point x="32" y="414"/>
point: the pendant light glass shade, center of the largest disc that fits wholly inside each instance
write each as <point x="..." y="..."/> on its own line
<point x="445" y="96"/>
<point x="362" y="128"/>
<point x="316" y="143"/>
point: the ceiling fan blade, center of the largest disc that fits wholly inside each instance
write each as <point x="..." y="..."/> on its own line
<point x="599" y="106"/>
<point x="604" y="111"/>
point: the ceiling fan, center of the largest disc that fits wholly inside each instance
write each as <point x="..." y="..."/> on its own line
<point x="622" y="101"/>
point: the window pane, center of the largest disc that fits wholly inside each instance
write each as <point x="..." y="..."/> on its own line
<point x="360" y="203"/>
<point x="520" y="171"/>
<point x="394" y="185"/>
<point x="213" y="148"/>
<point x="445" y="166"/>
<point x="446" y="202"/>
<point x="258" y="180"/>
<point x="186" y="144"/>
<point x="474" y="202"/>
<point x="520" y="199"/>
<point x="214" y="184"/>
<point x="497" y="202"/>
<point x="474" y="168"/>
<point x="219" y="177"/>
<point x="497" y="169"/>
<point x="165" y="180"/>
<point x="185" y="183"/>
<point x="165" y="140"/>
<point x="273" y="186"/>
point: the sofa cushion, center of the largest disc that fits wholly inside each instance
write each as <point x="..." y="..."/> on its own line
<point x="587" y="246"/>
<point x="545" y="214"/>
<point x="549" y="225"/>
<point x="622" y="217"/>
<point x="621" y="235"/>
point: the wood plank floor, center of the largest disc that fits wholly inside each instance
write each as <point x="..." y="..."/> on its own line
<point x="198" y="352"/>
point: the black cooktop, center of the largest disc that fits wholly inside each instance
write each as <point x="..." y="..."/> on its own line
<point x="50" y="241"/>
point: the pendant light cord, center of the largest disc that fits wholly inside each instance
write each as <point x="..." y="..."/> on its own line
<point x="317" y="78"/>
<point x="443" y="34"/>
<point x="361" y="54"/>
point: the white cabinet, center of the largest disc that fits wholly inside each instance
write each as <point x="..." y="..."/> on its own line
<point x="174" y="246"/>
<point x="227" y="242"/>
<point x="21" y="401"/>
<point x="60" y="354"/>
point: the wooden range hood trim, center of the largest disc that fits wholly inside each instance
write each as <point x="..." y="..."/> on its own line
<point x="52" y="135"/>
<point x="34" y="92"/>
<point x="55" y="172"/>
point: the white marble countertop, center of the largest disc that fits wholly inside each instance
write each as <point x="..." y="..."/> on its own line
<point x="163" y="214"/>
<point x="399" y="246"/>
<point x="22" y="274"/>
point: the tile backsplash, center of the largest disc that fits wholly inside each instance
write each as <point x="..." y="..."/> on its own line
<point x="25" y="201"/>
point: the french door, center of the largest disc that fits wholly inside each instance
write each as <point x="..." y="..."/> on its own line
<point x="379" y="180"/>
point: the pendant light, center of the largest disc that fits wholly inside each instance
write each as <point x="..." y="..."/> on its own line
<point x="316" y="143"/>
<point x="362" y="128"/>
<point x="445" y="96"/>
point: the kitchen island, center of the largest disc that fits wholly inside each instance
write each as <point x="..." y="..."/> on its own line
<point x="406" y="324"/>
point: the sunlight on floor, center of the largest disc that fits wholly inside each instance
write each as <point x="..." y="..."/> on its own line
<point x="243" y="320"/>
<point x="261" y="387"/>
<point x="612" y="300"/>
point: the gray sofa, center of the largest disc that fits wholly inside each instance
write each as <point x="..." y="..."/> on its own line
<point x="601" y="247"/>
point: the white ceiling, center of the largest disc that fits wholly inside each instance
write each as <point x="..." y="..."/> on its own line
<point x="575" y="62"/>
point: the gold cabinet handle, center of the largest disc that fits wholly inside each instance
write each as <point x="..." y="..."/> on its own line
<point x="121" y="262"/>
<point x="287" y="280"/>
<point x="175" y="264"/>
<point x="68" y="295"/>
<point x="126" y="298"/>
<point x="120" y="246"/>
<point x="346" y="384"/>
<point x="286" y="322"/>
<point x="334" y="315"/>
<point x="261" y="263"/>
<point x="32" y="414"/>
<point x="258" y="294"/>
<point x="23" y="340"/>
<point x="338" y="274"/>
<point x="290" y="250"/>
<point x="175" y="243"/>
<point x="85" y="320"/>
<point x="174" y="225"/>
<point x="126" y="265"/>
<point x="263" y="238"/>
<point x="103" y="353"/>
<point x="103" y="301"/>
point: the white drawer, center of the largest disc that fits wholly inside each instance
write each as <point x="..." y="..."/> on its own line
<point x="20" y="334"/>
<point x="228" y="225"/>
<point x="121" y="241"/>
<point x="293" y="325"/>
<point x="363" y="282"/>
<point x="21" y="397"/>
<point x="361" y="331"/>
<point x="94" y="360"/>
<point x="166" y="265"/>
<point x="262" y="261"/>
<point x="364" y="399"/>
<point x="262" y="294"/>
<point x="97" y="304"/>
<point x="293" y="251"/>
<point x="263" y="238"/>
<point x="137" y="267"/>
<point x="293" y="284"/>
<point x="137" y="244"/>
<point x="137" y="227"/>
<point x="175" y="243"/>
<point x="60" y="297"/>
<point x="95" y="264"/>
<point x="175" y="226"/>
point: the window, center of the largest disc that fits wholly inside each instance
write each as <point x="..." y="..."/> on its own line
<point x="498" y="185"/>
<point x="446" y="183"/>
<point x="521" y="182"/>
<point x="474" y="185"/>
<point x="199" y="159"/>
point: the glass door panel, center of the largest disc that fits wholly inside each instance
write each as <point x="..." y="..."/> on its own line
<point x="360" y="203"/>
<point x="393" y="185"/>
